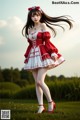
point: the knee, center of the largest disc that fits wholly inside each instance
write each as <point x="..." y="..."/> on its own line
<point x="38" y="83"/>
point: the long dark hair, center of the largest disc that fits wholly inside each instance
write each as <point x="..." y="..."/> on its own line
<point x="48" y="20"/>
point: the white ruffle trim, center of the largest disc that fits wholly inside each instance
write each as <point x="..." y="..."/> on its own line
<point x="34" y="64"/>
<point x="35" y="60"/>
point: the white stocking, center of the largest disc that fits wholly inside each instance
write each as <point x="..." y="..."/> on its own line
<point x="40" y="83"/>
<point x="39" y="76"/>
<point x="39" y="91"/>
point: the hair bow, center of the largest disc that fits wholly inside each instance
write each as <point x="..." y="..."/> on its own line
<point x="35" y="7"/>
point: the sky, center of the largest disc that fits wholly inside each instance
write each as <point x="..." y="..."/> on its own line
<point x="13" y="15"/>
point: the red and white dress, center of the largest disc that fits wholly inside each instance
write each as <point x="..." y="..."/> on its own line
<point x="40" y="51"/>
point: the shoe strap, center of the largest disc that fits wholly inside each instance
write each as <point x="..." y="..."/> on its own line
<point x="40" y="105"/>
<point x="51" y="101"/>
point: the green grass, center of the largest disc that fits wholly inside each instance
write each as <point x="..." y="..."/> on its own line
<point x="26" y="110"/>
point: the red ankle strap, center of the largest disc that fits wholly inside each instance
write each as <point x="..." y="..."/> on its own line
<point x="41" y="105"/>
<point x="51" y="101"/>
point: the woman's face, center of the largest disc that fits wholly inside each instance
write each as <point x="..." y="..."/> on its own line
<point x="36" y="18"/>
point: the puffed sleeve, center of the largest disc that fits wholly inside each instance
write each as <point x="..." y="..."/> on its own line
<point x="50" y="48"/>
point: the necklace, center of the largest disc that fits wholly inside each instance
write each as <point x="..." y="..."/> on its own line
<point x="33" y="33"/>
<point x="34" y="30"/>
<point x="36" y="27"/>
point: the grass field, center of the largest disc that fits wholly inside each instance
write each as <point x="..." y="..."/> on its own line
<point x="26" y="110"/>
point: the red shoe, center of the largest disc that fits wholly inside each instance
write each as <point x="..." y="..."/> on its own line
<point x="41" y="109"/>
<point x="54" y="106"/>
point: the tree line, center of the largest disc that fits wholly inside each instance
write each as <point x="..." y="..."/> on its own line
<point x="19" y="84"/>
<point x="15" y="75"/>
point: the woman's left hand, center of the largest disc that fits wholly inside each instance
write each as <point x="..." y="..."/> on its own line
<point x="54" y="58"/>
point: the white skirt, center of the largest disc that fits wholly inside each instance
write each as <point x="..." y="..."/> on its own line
<point x="35" y="60"/>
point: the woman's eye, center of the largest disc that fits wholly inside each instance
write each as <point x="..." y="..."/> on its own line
<point x="37" y="15"/>
<point x="34" y="15"/>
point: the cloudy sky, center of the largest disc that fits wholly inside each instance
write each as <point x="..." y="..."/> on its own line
<point x="13" y="14"/>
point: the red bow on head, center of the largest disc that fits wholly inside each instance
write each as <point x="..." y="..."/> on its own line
<point x="35" y="7"/>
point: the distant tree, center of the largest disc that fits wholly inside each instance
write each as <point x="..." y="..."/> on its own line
<point x="53" y="77"/>
<point x="61" y="77"/>
<point x="23" y="74"/>
<point x="16" y="75"/>
<point x="11" y="75"/>
<point x="26" y="75"/>
<point x="7" y="75"/>
<point x="1" y="76"/>
<point x="47" y="78"/>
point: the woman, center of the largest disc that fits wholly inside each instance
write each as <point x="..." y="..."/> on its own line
<point x="41" y="54"/>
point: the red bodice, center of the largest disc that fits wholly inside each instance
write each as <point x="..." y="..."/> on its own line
<point x="43" y="42"/>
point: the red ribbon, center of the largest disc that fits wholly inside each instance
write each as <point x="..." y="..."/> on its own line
<point x="35" y="7"/>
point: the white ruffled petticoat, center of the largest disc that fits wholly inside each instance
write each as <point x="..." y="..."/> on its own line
<point x="35" y="60"/>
